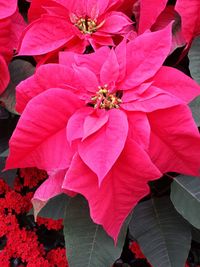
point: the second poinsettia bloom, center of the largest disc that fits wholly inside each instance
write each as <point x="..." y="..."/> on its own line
<point x="105" y="124"/>
<point x="58" y="25"/>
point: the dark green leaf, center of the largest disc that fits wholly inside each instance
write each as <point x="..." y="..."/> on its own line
<point x="161" y="232"/>
<point x="185" y="195"/>
<point x="195" y="108"/>
<point x="194" y="57"/>
<point x="4" y="154"/>
<point x="87" y="244"/>
<point x="55" y="207"/>
<point x="196" y="235"/>
<point x="19" y="70"/>
<point x="8" y="176"/>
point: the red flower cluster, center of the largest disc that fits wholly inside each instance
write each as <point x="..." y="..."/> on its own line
<point x="50" y="223"/>
<point x="18" y="243"/>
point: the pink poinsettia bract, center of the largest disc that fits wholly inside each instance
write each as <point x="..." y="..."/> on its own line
<point x="57" y="25"/>
<point x="106" y="123"/>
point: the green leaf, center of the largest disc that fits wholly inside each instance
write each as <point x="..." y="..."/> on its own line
<point x="87" y="244"/>
<point x="19" y="70"/>
<point x="7" y="176"/>
<point x="195" y="108"/>
<point x="163" y="235"/>
<point x="194" y="57"/>
<point x="5" y="153"/>
<point x="196" y="235"/>
<point x="55" y="207"/>
<point x="185" y="195"/>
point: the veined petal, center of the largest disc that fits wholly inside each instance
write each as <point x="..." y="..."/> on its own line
<point x="97" y="40"/>
<point x="149" y="12"/>
<point x="139" y="128"/>
<point x="152" y="99"/>
<point x="189" y="10"/>
<point x="115" y="22"/>
<point x="121" y="189"/>
<point x="76" y="122"/>
<point x="152" y="49"/>
<point x="36" y="9"/>
<point x="175" y="141"/>
<point x="45" y="35"/>
<point x="7" y="8"/>
<point x="110" y="69"/>
<point x="134" y="94"/>
<point x="177" y="83"/>
<point x="93" y="122"/>
<point x="87" y="78"/>
<point x="40" y="136"/>
<point x="46" y="77"/>
<point x="51" y="187"/>
<point x="120" y="51"/>
<point x="96" y="7"/>
<point x="92" y="61"/>
<point x="17" y="26"/>
<point x="101" y="150"/>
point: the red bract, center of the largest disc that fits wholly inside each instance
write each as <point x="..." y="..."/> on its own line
<point x="115" y="118"/>
<point x="73" y="25"/>
<point x="189" y="11"/>
<point x="11" y="25"/>
<point x="7" y="8"/>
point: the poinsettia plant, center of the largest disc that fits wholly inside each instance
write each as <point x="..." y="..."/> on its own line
<point x="108" y="108"/>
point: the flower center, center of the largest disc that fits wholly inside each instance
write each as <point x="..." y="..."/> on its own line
<point x="106" y="100"/>
<point x="86" y="25"/>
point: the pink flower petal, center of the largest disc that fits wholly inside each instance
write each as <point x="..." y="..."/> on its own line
<point x="101" y="150"/>
<point x="6" y="43"/>
<point x="94" y="122"/>
<point x="87" y="78"/>
<point x="4" y="77"/>
<point x="7" y="8"/>
<point x="110" y="69"/>
<point x="115" y="22"/>
<point x="152" y="99"/>
<point x="189" y="10"/>
<point x="75" y="123"/>
<point x="48" y="189"/>
<point x="17" y="25"/>
<point x="135" y="94"/>
<point x="45" y="35"/>
<point x="122" y="188"/>
<point x="96" y="7"/>
<point x="152" y="49"/>
<point x="149" y="11"/>
<point x="46" y="77"/>
<point x="40" y="136"/>
<point x="139" y="129"/>
<point x="92" y="61"/>
<point x="167" y="16"/>
<point x="36" y="9"/>
<point x="177" y="83"/>
<point x="120" y="51"/>
<point x="98" y="40"/>
<point x="175" y="141"/>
